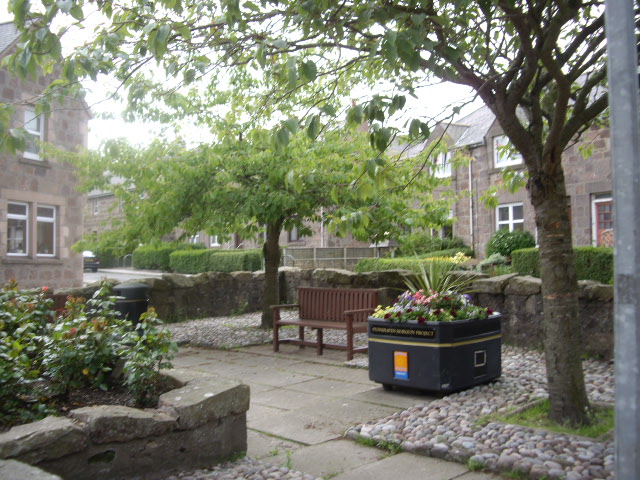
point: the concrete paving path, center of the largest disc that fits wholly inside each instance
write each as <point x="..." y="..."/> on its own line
<point x="301" y="405"/>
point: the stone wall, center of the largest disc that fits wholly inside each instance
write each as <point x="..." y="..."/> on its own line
<point x="178" y="297"/>
<point x="200" y="423"/>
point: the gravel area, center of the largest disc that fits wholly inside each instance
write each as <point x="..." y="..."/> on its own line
<point x="447" y="428"/>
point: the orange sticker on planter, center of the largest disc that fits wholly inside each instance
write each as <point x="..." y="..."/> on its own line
<point x="401" y="365"/>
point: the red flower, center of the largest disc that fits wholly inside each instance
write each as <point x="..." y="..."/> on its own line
<point x="489" y="311"/>
<point x="438" y="311"/>
<point x="399" y="314"/>
<point x="421" y="320"/>
<point x="387" y="316"/>
<point x="45" y="289"/>
<point x="454" y="313"/>
<point x="73" y="331"/>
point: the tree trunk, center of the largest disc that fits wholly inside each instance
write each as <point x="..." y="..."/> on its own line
<point x="561" y="325"/>
<point x="271" y="293"/>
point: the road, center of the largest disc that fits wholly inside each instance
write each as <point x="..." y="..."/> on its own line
<point x="120" y="274"/>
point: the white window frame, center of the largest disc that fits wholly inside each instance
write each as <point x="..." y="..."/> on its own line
<point x="294" y="234"/>
<point x="595" y="200"/>
<point x="95" y="207"/>
<point x="443" y="165"/>
<point x="38" y="134"/>
<point x="17" y="216"/>
<point x="52" y="220"/>
<point x="511" y="222"/>
<point x="214" y="242"/>
<point x="504" y="160"/>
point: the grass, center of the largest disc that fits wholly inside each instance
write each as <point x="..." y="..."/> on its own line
<point x="537" y="416"/>
<point x="391" y="447"/>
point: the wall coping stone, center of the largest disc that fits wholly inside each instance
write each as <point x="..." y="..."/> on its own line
<point x="118" y="423"/>
<point x="525" y="285"/>
<point x="598" y="292"/>
<point x="46" y="439"/>
<point x="204" y="400"/>
<point x="334" y="276"/>
<point x="14" y="470"/>
<point x="494" y="284"/>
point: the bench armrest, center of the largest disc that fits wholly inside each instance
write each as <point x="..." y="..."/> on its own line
<point x="351" y="312"/>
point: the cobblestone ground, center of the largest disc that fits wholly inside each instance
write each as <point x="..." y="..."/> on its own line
<point x="448" y="428"/>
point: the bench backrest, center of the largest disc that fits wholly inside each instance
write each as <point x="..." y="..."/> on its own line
<point x="329" y="304"/>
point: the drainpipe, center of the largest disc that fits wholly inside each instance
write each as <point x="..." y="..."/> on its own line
<point x="321" y="227"/>
<point x="471" y="224"/>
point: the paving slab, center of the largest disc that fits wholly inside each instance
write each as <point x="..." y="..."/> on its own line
<point x="294" y="425"/>
<point x="272" y="450"/>
<point x="283" y="398"/>
<point x="405" y="465"/>
<point x="348" y="411"/>
<point x="327" y="387"/>
<point x="334" y="372"/>
<point x="332" y="458"/>
<point x="396" y="399"/>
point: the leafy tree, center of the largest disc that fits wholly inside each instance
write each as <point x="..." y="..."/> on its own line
<point x="539" y="66"/>
<point x="246" y="187"/>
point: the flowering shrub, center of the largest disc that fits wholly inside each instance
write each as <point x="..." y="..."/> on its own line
<point x="44" y="354"/>
<point x="432" y="307"/>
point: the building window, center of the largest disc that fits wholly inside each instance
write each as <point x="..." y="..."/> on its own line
<point x="510" y="217"/>
<point x="46" y="231"/>
<point x="501" y="156"/>
<point x="214" y="242"/>
<point x="294" y="234"/>
<point x="33" y="124"/>
<point x="443" y="165"/>
<point x="95" y="207"/>
<point x="17" y="227"/>
<point x="602" y="220"/>
<point x="194" y="238"/>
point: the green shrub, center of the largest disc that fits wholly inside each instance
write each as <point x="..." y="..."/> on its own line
<point x="505" y="242"/>
<point x="421" y="243"/>
<point x="190" y="261"/>
<point x="216" y="260"/>
<point x="592" y="263"/>
<point x="449" y="253"/>
<point x="403" y="263"/>
<point x="81" y="347"/>
<point x="526" y="261"/>
<point x="235" y="260"/>
<point x="148" y="257"/>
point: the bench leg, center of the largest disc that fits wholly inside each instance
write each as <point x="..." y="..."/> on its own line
<point x="320" y="341"/>
<point x="301" y="335"/>
<point x="349" y="341"/>
<point x="276" y="344"/>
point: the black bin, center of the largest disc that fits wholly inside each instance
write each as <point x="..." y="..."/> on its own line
<point x="133" y="300"/>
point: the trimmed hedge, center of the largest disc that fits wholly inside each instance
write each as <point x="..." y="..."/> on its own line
<point x="199" y="261"/>
<point x="449" y="253"/>
<point x="421" y="243"/>
<point x="156" y="257"/>
<point x="401" y="263"/>
<point x="152" y="258"/>
<point x="592" y="263"/>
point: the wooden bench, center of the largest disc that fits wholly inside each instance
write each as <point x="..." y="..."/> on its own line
<point x="320" y="308"/>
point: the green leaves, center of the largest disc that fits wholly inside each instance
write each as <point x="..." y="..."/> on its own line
<point x="158" y="41"/>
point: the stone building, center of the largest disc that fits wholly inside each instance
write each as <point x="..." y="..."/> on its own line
<point x="40" y="210"/>
<point x="479" y="136"/>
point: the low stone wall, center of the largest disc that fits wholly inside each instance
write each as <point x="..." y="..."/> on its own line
<point x="177" y="297"/>
<point x="198" y="424"/>
<point x="519" y="299"/>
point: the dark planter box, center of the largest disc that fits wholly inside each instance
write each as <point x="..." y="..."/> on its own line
<point x="435" y="356"/>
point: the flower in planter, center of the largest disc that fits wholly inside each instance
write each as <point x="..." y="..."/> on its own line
<point x="434" y="296"/>
<point x="433" y="306"/>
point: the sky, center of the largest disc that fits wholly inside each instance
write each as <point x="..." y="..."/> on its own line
<point x="432" y="101"/>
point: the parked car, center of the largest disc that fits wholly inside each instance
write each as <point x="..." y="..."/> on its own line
<point x="91" y="262"/>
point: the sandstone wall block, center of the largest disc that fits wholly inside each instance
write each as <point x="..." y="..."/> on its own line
<point x="205" y="400"/>
<point x="49" y="438"/>
<point x="117" y="423"/>
<point x="525" y="285"/>
<point x="493" y="285"/>
<point x="14" y="470"/>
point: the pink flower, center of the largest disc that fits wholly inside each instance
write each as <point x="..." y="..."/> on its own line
<point x="45" y="289"/>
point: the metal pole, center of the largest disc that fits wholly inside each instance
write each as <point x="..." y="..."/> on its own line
<point x="625" y="148"/>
